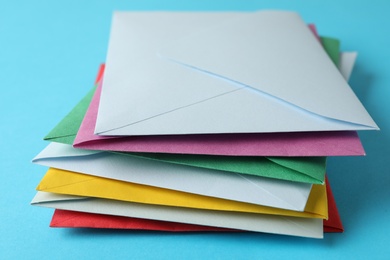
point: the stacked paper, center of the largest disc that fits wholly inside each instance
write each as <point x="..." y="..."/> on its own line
<point x="207" y="121"/>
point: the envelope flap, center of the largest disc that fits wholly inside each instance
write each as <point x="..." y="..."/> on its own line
<point x="333" y="224"/>
<point x="244" y="221"/>
<point x="65" y="218"/>
<point x="43" y="197"/>
<point x="318" y="201"/>
<point x="189" y="179"/>
<point x="65" y="131"/>
<point x="57" y="181"/>
<point x="332" y="48"/>
<point x="313" y="167"/>
<point x="59" y="150"/>
<point x="347" y="59"/>
<point x="134" y="40"/>
<point x="298" y="144"/>
<point x="255" y="50"/>
<point x="308" y="169"/>
<point x="76" y="219"/>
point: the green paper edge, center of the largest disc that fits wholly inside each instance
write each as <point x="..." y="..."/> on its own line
<point x="66" y="130"/>
<point x="332" y="48"/>
<point x="249" y="165"/>
<point x="299" y="169"/>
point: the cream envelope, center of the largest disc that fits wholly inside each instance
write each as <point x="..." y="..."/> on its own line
<point x="221" y="72"/>
<point x="295" y="226"/>
<point x="258" y="190"/>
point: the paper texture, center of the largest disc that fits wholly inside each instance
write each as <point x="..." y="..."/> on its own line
<point x="205" y="73"/>
<point x="346" y="59"/>
<point x="292" y="144"/>
<point x="72" y="183"/>
<point x="66" y="130"/>
<point x="306" y="227"/>
<point x="219" y="184"/>
<point x="333" y="223"/>
<point x="300" y="169"/>
<point x="74" y="219"/>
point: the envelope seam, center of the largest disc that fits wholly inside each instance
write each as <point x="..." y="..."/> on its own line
<point x="265" y="190"/>
<point x="167" y="112"/>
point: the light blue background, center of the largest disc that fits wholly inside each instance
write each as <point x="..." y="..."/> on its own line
<point x="49" y="55"/>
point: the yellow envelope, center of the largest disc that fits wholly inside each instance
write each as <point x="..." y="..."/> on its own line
<point x="72" y="183"/>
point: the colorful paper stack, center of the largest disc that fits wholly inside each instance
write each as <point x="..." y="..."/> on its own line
<point x="207" y="121"/>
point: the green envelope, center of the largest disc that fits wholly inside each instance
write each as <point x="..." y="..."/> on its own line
<point x="66" y="130"/>
<point x="331" y="45"/>
<point x="299" y="169"/>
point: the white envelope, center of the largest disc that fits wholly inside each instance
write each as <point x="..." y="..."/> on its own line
<point x="305" y="227"/>
<point x="232" y="186"/>
<point x="221" y="72"/>
<point x="346" y="63"/>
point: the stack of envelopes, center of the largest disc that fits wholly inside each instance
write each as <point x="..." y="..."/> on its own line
<point x="207" y="121"/>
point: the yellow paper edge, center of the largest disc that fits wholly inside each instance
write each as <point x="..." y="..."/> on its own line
<point x="72" y="183"/>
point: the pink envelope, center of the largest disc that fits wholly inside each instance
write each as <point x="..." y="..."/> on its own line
<point x="345" y="143"/>
<point x="339" y="143"/>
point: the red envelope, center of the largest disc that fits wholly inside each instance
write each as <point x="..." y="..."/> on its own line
<point x="73" y="219"/>
<point x="333" y="224"/>
<point x="99" y="76"/>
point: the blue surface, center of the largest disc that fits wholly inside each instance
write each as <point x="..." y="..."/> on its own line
<point x="49" y="54"/>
